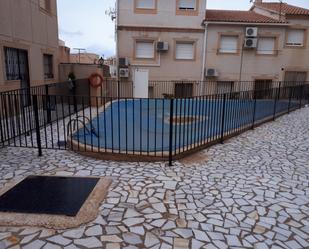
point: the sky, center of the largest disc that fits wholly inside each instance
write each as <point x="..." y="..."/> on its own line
<point x="84" y="24"/>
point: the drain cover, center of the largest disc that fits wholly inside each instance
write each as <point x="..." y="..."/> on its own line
<point x="48" y="195"/>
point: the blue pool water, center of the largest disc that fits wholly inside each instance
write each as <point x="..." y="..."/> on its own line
<point x="143" y="125"/>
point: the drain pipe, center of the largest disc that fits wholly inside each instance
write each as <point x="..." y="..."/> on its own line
<point x="204" y="51"/>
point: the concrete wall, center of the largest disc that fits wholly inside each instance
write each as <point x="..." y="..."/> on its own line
<point x="23" y="24"/>
<point x="64" y="54"/>
<point x="81" y="71"/>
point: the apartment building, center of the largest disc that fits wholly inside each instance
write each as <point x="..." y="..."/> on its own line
<point x="179" y="40"/>
<point x="176" y="25"/>
<point x="28" y="43"/>
<point x="276" y="50"/>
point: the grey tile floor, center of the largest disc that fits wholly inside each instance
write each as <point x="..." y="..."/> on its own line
<point x="251" y="192"/>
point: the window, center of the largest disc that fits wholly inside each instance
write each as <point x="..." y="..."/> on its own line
<point x="144" y="49"/>
<point x="184" y="51"/>
<point x="145" y="4"/>
<point x="295" y="77"/>
<point x="228" y="44"/>
<point x="225" y="87"/>
<point x="48" y="66"/>
<point x="266" y="45"/>
<point x="11" y="63"/>
<point x="45" y="4"/>
<point x="186" y="4"/>
<point x="295" y="37"/>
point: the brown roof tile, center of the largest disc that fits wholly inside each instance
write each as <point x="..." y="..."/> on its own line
<point x="238" y="16"/>
<point x="285" y="8"/>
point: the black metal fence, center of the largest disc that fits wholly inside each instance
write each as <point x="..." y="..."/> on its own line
<point x="134" y="128"/>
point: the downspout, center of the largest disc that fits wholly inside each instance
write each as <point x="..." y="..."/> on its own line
<point x="116" y="37"/>
<point x="204" y="51"/>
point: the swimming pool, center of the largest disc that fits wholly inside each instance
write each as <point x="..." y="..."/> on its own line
<point x="143" y="125"/>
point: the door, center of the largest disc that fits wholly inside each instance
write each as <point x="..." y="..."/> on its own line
<point x="225" y="87"/>
<point x="140" y="83"/>
<point x="17" y="68"/>
<point x="262" y="89"/>
<point x="183" y="90"/>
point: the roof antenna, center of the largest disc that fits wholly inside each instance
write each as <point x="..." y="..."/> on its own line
<point x="280" y="11"/>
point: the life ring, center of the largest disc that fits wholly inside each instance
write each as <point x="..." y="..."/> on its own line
<point x="95" y="80"/>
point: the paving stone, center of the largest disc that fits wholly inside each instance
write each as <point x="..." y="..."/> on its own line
<point x="74" y="233"/>
<point x="151" y="240"/>
<point x="90" y="242"/>
<point x="60" y="240"/>
<point x="111" y="238"/>
<point x="181" y="243"/>
<point x="113" y="246"/>
<point x="132" y="238"/>
<point x="37" y="244"/>
<point x="51" y="246"/>
<point x="185" y="233"/>
<point x="133" y="221"/>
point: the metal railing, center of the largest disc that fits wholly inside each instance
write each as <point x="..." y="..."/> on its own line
<point x="129" y="128"/>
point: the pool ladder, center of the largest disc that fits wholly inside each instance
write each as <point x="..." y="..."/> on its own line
<point x="74" y="125"/>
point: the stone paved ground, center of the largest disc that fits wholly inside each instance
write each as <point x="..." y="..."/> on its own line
<point x="251" y="192"/>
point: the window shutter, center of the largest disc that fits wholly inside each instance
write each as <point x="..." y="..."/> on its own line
<point x="187" y="4"/>
<point x="296" y="37"/>
<point x="145" y="4"/>
<point x="144" y="50"/>
<point x="184" y="51"/>
<point x="228" y="44"/>
<point x="266" y="45"/>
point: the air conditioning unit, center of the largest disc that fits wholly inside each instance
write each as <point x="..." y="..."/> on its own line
<point x="211" y="72"/>
<point x="123" y="62"/>
<point x="250" y="43"/>
<point x="124" y="72"/>
<point x="251" y="32"/>
<point x="162" y="46"/>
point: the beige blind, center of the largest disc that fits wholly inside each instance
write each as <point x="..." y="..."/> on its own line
<point x="144" y="49"/>
<point x="187" y="4"/>
<point x="145" y="4"/>
<point x="185" y="50"/>
<point x="266" y="45"/>
<point x="228" y="44"/>
<point x="295" y="37"/>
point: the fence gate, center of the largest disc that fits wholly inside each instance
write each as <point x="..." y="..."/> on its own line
<point x="140" y="83"/>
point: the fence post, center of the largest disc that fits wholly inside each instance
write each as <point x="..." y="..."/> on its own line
<point x="37" y="123"/>
<point x="290" y="99"/>
<point x="301" y="96"/>
<point x="171" y="132"/>
<point x="276" y="99"/>
<point x="223" y="118"/>
<point x="48" y="106"/>
<point x="254" y="112"/>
